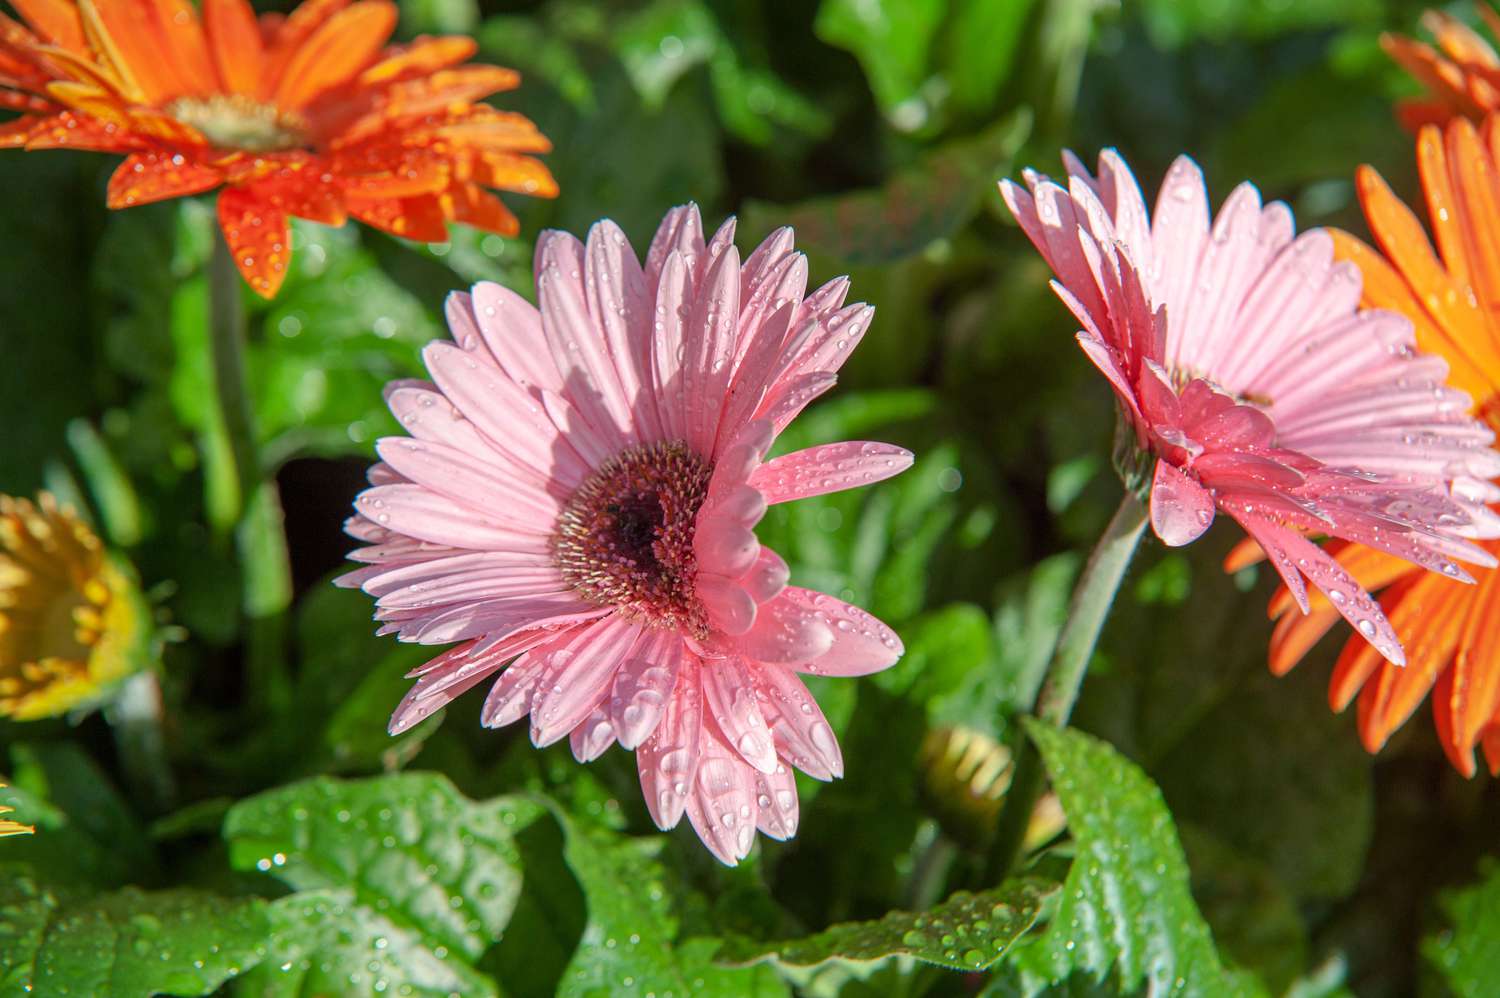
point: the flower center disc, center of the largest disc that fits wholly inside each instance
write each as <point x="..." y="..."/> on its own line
<point x="625" y="538"/>
<point x="234" y="121"/>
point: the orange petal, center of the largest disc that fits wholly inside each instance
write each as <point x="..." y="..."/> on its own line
<point x="484" y="128"/>
<point x="1295" y="635"/>
<point x="1443" y="206"/>
<point x="1430" y="633"/>
<point x="258" y="237"/>
<point x="234" y="39"/>
<point x="126" y="32"/>
<point x="417" y="218"/>
<point x="1243" y="555"/>
<point x="1445" y="80"/>
<point x="1473" y="174"/>
<point x="1490" y="743"/>
<point x="187" y="47"/>
<point x="1458" y="40"/>
<point x="1461" y="756"/>
<point x="425" y="55"/>
<point x="55" y="20"/>
<point x="153" y="176"/>
<point x="473" y="205"/>
<point x="445" y="89"/>
<point x="372" y="176"/>
<point x="516" y="173"/>
<point x="1476" y="666"/>
<point x="17" y="133"/>
<point x="1451" y="309"/>
<point x="337" y="51"/>
<point x="67" y="130"/>
<point x="1359" y="658"/>
<point x="283" y="35"/>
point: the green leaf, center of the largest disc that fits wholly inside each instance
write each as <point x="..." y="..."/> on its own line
<point x="1126" y="907"/>
<point x="86" y="832"/>
<point x="1467" y="953"/>
<point x="983" y="37"/>
<point x="917" y="207"/>
<point x="661" y="42"/>
<point x="128" y="943"/>
<point x="325" y="942"/>
<point x="1174" y="22"/>
<point x="407" y="851"/>
<point x="628" y="948"/>
<point x="966" y="932"/>
<point x="438" y="17"/>
<point x="892" y="40"/>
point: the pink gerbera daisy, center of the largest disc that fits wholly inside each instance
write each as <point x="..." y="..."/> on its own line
<point x="1245" y="367"/>
<point x="577" y="499"/>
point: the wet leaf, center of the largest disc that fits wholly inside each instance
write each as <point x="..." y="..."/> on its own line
<point x="129" y="943"/>
<point x="1467" y="952"/>
<point x="1126" y="910"/>
<point x="405" y="851"/>
<point x="966" y="932"/>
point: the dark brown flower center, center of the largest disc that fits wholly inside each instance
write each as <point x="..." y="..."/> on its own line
<point x="625" y="538"/>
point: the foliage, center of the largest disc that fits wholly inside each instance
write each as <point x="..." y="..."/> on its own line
<point x="1225" y="833"/>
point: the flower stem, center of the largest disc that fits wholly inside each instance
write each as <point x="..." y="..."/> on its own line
<point x="254" y="508"/>
<point x="226" y="322"/>
<point x="136" y="715"/>
<point x="1092" y="598"/>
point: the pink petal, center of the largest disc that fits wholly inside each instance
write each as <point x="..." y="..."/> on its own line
<point x="786" y="632"/>
<point x="776" y="793"/>
<point x="729" y="606"/>
<point x="620" y="306"/>
<point x="722" y="805"/>
<point x="680" y="232"/>
<point x="485" y="617"/>
<point x="829" y="468"/>
<point x="707" y="368"/>
<point x="643" y="687"/>
<point x="669" y="347"/>
<point x="421" y="513"/>
<point x="668" y="759"/>
<point x="1181" y="509"/>
<point x="767" y="578"/>
<point x="730" y="697"/>
<point x="592" y="738"/>
<point x="862" y="644"/>
<point x="512" y="329"/>
<point x="510" y="698"/>
<point x="586" y="669"/>
<point x="802" y="734"/>
<point x="451" y="472"/>
<point x="590" y="380"/>
<point x="724" y="546"/>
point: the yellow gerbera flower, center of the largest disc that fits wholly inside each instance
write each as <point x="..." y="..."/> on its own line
<point x="72" y="622"/>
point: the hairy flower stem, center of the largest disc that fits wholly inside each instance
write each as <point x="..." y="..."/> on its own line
<point x="136" y="716"/>
<point x="253" y="508"/>
<point x="1092" y="598"/>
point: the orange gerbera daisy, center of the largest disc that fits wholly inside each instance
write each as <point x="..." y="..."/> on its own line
<point x="1451" y="631"/>
<point x="311" y="114"/>
<point x="1462" y="80"/>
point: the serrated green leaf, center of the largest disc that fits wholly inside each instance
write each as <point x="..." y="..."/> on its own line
<point x="56" y="941"/>
<point x="325" y="942"/>
<point x="1467" y="953"/>
<point x="409" y="846"/>
<point x="1126" y="909"/>
<point x="966" y="932"/>
<point x="628" y="948"/>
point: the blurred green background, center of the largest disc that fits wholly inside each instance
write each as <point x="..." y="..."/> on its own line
<point x="878" y="129"/>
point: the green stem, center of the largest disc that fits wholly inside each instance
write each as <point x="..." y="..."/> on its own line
<point x="226" y="323"/>
<point x="1092" y="598"/>
<point x="255" y="507"/>
<point x="135" y="715"/>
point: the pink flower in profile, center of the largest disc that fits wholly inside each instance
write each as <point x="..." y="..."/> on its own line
<point x="1245" y="367"/>
<point x="577" y="499"/>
